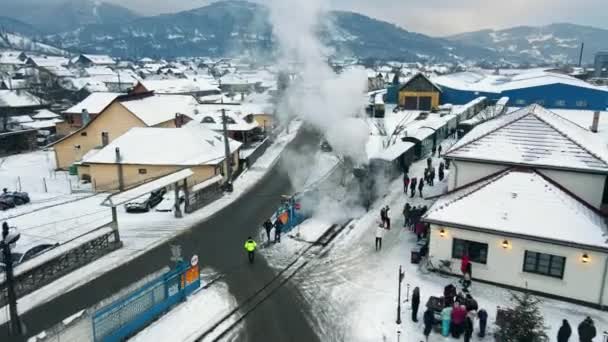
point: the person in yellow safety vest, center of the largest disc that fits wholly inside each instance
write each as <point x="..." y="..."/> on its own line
<point x="250" y="247"/>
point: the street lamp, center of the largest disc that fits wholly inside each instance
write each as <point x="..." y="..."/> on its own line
<point x="9" y="239"/>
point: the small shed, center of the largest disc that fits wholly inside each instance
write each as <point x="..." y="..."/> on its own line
<point x="419" y="93"/>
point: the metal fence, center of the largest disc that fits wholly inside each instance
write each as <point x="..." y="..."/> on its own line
<point x="128" y="315"/>
<point x="53" y="268"/>
<point x="199" y="198"/>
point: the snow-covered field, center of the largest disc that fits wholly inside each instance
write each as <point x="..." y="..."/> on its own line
<point x="159" y="227"/>
<point x="353" y="289"/>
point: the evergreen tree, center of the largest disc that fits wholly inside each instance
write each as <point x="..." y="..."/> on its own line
<point x="523" y="322"/>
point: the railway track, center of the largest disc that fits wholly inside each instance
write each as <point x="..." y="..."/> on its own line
<point x="226" y="324"/>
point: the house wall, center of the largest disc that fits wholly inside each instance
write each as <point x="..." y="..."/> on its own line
<point x="587" y="186"/>
<point x="581" y="281"/>
<point x="105" y="176"/>
<point x="462" y="172"/>
<point x="434" y="95"/>
<point x="115" y="120"/>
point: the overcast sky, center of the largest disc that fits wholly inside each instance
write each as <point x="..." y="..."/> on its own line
<point x="433" y="17"/>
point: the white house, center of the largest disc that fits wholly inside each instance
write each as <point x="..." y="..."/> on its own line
<point x="521" y="230"/>
<point x="537" y="138"/>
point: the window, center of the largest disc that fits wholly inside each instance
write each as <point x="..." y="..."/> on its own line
<point x="581" y="103"/>
<point x="560" y="103"/>
<point x="477" y="251"/>
<point x="540" y="102"/>
<point x="142" y="171"/>
<point x="520" y="102"/>
<point x="545" y="264"/>
<point x="84" y="134"/>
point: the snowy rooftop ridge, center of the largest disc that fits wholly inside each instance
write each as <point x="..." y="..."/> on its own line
<point x="533" y="136"/>
<point x="156" y="109"/>
<point x="95" y="103"/>
<point x="507" y="197"/>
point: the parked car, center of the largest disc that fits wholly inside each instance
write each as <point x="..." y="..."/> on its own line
<point x="19" y="258"/>
<point x="146" y="203"/>
<point x="19" y="198"/>
<point x="6" y="203"/>
<point x="168" y="202"/>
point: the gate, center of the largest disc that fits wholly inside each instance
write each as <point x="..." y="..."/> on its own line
<point x="128" y="315"/>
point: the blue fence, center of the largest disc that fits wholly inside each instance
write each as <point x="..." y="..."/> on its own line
<point x="290" y="213"/>
<point x="126" y="316"/>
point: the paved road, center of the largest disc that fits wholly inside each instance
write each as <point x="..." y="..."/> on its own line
<point x="219" y="243"/>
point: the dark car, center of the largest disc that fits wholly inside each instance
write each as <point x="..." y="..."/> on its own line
<point x="19" y="198"/>
<point x="19" y="258"/>
<point x="143" y="206"/>
<point x="6" y="203"/>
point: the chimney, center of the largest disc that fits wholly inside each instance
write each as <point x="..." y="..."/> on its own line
<point x="596" y="121"/>
<point x="85" y="117"/>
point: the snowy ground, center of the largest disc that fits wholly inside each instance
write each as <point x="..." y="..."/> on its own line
<point x="189" y="320"/>
<point x="159" y="227"/>
<point x="353" y="289"/>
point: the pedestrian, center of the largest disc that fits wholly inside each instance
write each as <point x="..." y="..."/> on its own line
<point x="406" y="183"/>
<point x="483" y="321"/>
<point x="278" y="229"/>
<point x="468" y="277"/>
<point x="250" y="247"/>
<point x="406" y="215"/>
<point x="441" y="174"/>
<point x="419" y="230"/>
<point x="415" y="303"/>
<point x="379" y="235"/>
<point x="563" y="335"/>
<point x="429" y="162"/>
<point x="464" y="261"/>
<point x="459" y="313"/>
<point x="586" y="330"/>
<point x="383" y="215"/>
<point x="268" y="228"/>
<point x="449" y="292"/>
<point x="446" y="317"/>
<point x="426" y="175"/>
<point x="470" y="303"/>
<point x="468" y="328"/>
<point x="420" y="186"/>
<point x="387" y="218"/>
<point x="429" y="320"/>
<point x="434" y="150"/>
<point x="432" y="177"/>
<point x="447" y="164"/>
<point x="439" y="155"/>
<point x="413" y="186"/>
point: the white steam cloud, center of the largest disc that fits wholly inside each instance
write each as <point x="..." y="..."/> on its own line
<point x="322" y="98"/>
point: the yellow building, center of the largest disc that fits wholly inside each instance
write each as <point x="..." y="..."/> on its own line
<point x="419" y="93"/>
<point x="148" y="153"/>
<point x="122" y="114"/>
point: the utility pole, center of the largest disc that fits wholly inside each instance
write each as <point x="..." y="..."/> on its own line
<point x="227" y="157"/>
<point x="121" y="183"/>
<point x="399" y="280"/>
<point x="7" y="240"/>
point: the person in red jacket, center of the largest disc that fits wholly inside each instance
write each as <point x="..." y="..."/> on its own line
<point x="464" y="265"/>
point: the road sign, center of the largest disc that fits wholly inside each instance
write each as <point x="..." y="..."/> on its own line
<point x="194" y="260"/>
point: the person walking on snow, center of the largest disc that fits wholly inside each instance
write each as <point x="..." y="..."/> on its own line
<point x="278" y="229"/>
<point x="387" y="218"/>
<point x="415" y="303"/>
<point x="429" y="320"/>
<point x="468" y="328"/>
<point x="434" y="150"/>
<point x="406" y="215"/>
<point x="586" y="330"/>
<point x="406" y="183"/>
<point x="446" y="317"/>
<point x="250" y="247"/>
<point x="413" y="186"/>
<point x="564" y="333"/>
<point x="383" y="215"/>
<point x="439" y="150"/>
<point x="379" y="235"/>
<point x="432" y="177"/>
<point x="268" y="228"/>
<point x="420" y="186"/>
<point x="483" y="321"/>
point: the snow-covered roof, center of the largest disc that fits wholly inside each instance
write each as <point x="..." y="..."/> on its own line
<point x="49" y="61"/>
<point x="45" y="114"/>
<point x="41" y="124"/>
<point x="131" y="194"/>
<point x="210" y="116"/>
<point x="18" y="98"/>
<point x="59" y="71"/>
<point x="394" y="151"/>
<point x="482" y="82"/>
<point x="584" y="118"/>
<point x="99" y="70"/>
<point x="523" y="203"/>
<point x="533" y="136"/>
<point x="184" y="146"/>
<point x="13" y="84"/>
<point x="19" y="119"/>
<point x="156" y="109"/>
<point x="99" y="59"/>
<point x="94" y="103"/>
<point x="179" y="86"/>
